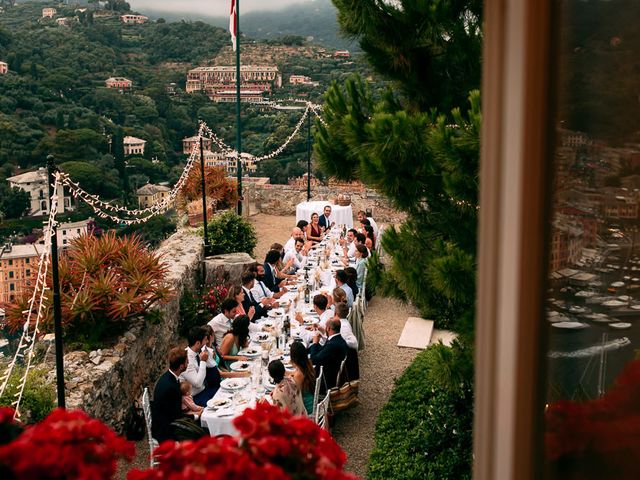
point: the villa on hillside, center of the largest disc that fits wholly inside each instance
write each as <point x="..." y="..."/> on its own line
<point x="4" y="68"/>
<point x="216" y="82"/>
<point x="118" y="82"/>
<point x="341" y="54"/>
<point x="151" y="194"/>
<point x="132" y="19"/>
<point x="133" y="146"/>
<point x="228" y="161"/>
<point x="35" y="184"/>
<point x="49" y="12"/>
<point x="68" y="231"/>
<point x="189" y="142"/>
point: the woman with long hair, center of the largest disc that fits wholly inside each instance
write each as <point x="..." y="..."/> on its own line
<point x="304" y="375"/>
<point x="314" y="230"/>
<point x="361" y="264"/>
<point x="237" y="293"/>
<point x="235" y="340"/>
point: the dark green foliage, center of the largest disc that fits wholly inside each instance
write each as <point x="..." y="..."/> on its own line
<point x="153" y="231"/>
<point x="38" y="398"/>
<point x="14" y="202"/>
<point x="425" y="431"/>
<point x="230" y="233"/>
<point x="192" y="312"/>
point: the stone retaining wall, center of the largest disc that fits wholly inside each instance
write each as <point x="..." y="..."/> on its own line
<point x="282" y="200"/>
<point x="105" y="382"/>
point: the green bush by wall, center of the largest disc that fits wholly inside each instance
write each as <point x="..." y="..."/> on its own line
<point x="230" y="233"/>
<point x="38" y="397"/>
<point x="424" y="432"/>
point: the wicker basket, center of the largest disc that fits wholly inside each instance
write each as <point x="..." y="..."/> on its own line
<point x="343" y="200"/>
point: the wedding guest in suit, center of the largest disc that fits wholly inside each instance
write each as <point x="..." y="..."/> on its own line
<point x="286" y="394"/>
<point x="314" y="230"/>
<point x="196" y="370"/>
<point x="260" y="291"/>
<point x="325" y="220"/>
<point x="167" y="398"/>
<point x="249" y="302"/>
<point x="270" y="271"/>
<point x="331" y="354"/>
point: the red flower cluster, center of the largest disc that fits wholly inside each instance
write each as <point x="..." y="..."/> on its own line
<point x="213" y="297"/>
<point x="272" y="444"/>
<point x="65" y="445"/>
<point x="604" y="431"/>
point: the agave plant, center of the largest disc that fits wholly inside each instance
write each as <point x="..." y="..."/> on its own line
<point x="104" y="281"/>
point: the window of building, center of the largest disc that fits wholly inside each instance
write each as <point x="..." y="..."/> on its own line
<point x="12" y="287"/>
<point x="26" y="260"/>
<point x="27" y="272"/>
<point x="10" y="262"/>
<point x="11" y="274"/>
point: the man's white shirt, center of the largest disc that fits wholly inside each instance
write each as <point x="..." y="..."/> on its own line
<point x="194" y="374"/>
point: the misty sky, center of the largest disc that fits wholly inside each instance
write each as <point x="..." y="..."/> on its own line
<point x="210" y="7"/>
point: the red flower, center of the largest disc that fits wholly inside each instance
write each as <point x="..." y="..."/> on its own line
<point x="66" y="445"/>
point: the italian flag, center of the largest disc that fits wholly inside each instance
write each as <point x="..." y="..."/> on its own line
<point x="232" y="24"/>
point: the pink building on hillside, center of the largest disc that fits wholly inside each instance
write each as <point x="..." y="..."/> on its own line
<point x="118" y="82"/>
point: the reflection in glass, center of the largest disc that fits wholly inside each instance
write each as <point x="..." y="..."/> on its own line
<point x="592" y="416"/>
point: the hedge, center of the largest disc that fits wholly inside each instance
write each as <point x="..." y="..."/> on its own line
<point x="425" y="429"/>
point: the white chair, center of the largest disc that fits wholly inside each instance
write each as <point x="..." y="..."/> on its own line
<point x="316" y="393"/>
<point x="153" y="443"/>
<point x="378" y="242"/>
<point x="355" y="318"/>
<point x="322" y="411"/>
<point x="340" y="371"/>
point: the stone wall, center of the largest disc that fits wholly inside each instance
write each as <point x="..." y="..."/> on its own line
<point x="282" y="200"/>
<point x="105" y="382"/>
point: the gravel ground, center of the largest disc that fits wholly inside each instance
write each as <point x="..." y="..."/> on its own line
<point x="381" y="362"/>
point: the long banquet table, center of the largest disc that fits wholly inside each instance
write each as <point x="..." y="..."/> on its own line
<point x="228" y="403"/>
<point x="341" y="215"/>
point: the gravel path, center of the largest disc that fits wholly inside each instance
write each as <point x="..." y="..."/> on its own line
<point x="381" y="362"/>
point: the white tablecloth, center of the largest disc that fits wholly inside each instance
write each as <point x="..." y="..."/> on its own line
<point x="341" y="215"/>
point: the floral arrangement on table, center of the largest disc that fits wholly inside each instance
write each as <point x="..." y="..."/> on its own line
<point x="213" y="296"/>
<point x="272" y="445"/>
<point x="598" y="438"/>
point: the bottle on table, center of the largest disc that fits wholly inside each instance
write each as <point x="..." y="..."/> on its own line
<point x="307" y="294"/>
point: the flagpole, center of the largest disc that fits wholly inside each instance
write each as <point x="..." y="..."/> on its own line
<point x="238" y="124"/>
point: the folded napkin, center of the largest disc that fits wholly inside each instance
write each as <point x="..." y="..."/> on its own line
<point x="225" y="412"/>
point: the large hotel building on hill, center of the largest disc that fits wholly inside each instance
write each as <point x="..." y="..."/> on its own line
<point x="219" y="81"/>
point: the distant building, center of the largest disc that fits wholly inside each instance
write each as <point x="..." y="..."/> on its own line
<point x="299" y="79"/>
<point x="228" y="161"/>
<point x="229" y="96"/>
<point x="620" y="203"/>
<point x="566" y="245"/>
<point x="18" y="270"/>
<point x="69" y="231"/>
<point x="120" y="83"/>
<point x="132" y="19"/>
<point x="151" y="194"/>
<point x="4" y="68"/>
<point x="217" y="82"/>
<point x="49" y="12"/>
<point x="63" y="21"/>
<point x="133" y="146"/>
<point x="189" y="142"/>
<point x="170" y="89"/>
<point x="35" y="184"/>
<point x="341" y="54"/>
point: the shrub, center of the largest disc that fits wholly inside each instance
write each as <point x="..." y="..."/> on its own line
<point x="219" y="187"/>
<point x="38" y="397"/>
<point x="230" y="233"/>
<point x="103" y="281"/>
<point x="192" y="312"/>
<point x="425" y="430"/>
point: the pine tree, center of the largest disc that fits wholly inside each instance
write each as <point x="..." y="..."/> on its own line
<point x="417" y="143"/>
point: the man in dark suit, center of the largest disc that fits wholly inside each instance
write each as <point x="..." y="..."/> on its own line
<point x="331" y="355"/>
<point x="248" y="280"/>
<point x="325" y="219"/>
<point x="167" y="398"/>
<point x="270" y="279"/>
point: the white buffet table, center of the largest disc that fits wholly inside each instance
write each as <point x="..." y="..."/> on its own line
<point x="341" y="215"/>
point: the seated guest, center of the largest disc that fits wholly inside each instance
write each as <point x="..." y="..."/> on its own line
<point x="249" y="302"/>
<point x="302" y="225"/>
<point x="325" y="220"/>
<point x="320" y="303"/>
<point x="361" y="239"/>
<point x="271" y="279"/>
<point x="304" y="375"/>
<point x="314" y="230"/>
<point x="362" y="216"/>
<point x="337" y="296"/>
<point x="260" y="291"/>
<point x="221" y="323"/>
<point x="361" y="264"/>
<point x="368" y="231"/>
<point x="348" y="245"/>
<point x="196" y="370"/>
<point x="296" y="258"/>
<point x="188" y="405"/>
<point x="341" y="282"/>
<point x="286" y="393"/>
<point x="352" y="277"/>
<point x="346" y="332"/>
<point x="331" y="354"/>
<point x="235" y="340"/>
<point x="215" y="365"/>
<point x="238" y="294"/>
<point x="296" y="234"/>
<point x="369" y="244"/>
<point x="167" y="398"/>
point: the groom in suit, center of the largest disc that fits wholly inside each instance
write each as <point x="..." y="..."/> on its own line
<point x="167" y="398"/>
<point x="270" y="279"/>
<point x="331" y="355"/>
<point x="325" y="219"/>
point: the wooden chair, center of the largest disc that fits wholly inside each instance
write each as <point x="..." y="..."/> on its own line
<point x="153" y="443"/>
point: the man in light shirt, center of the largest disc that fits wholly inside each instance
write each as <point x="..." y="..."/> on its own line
<point x="341" y="282"/>
<point x="362" y="215"/>
<point x="196" y="370"/>
<point x="296" y="234"/>
<point x="297" y="257"/>
<point x="221" y="323"/>
<point x="260" y="291"/>
<point x="342" y="312"/>
<point x="348" y="243"/>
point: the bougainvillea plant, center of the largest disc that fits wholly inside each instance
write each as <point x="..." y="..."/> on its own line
<point x="213" y="296"/>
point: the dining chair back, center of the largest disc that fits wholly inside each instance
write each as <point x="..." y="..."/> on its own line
<point x="316" y="391"/>
<point x="322" y="412"/>
<point x="340" y="372"/>
<point x="146" y="407"/>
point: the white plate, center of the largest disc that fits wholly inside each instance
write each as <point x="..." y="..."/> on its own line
<point x="261" y="337"/>
<point x="268" y="383"/>
<point x="311" y="320"/>
<point x="268" y="323"/>
<point x="249" y="352"/>
<point x="275" y="312"/>
<point x="234" y="383"/>
<point x="240" y="366"/>
<point x="289" y="368"/>
<point x="218" y="403"/>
